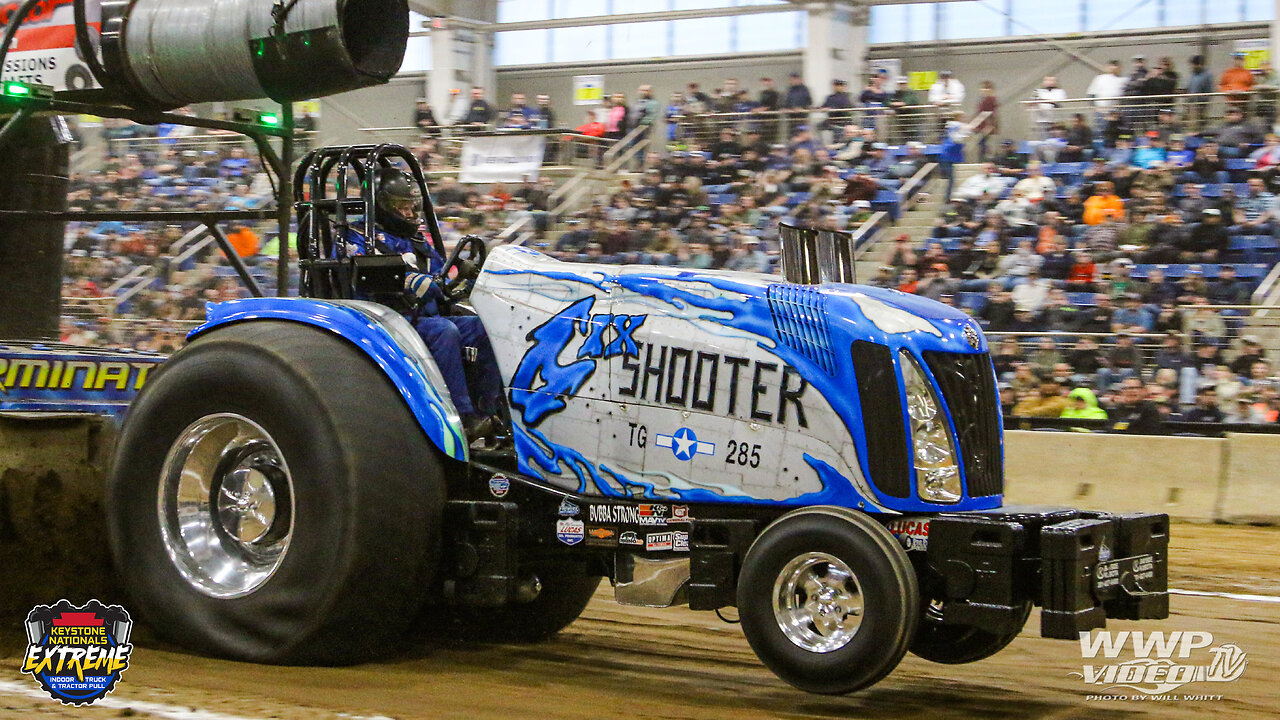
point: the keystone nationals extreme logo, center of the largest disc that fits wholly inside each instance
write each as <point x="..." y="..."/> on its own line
<point x="77" y="653"/>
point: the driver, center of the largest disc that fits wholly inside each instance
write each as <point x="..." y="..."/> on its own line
<point x="398" y="217"/>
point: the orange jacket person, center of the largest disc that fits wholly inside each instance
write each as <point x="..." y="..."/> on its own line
<point x="1237" y="78"/>
<point x="1105" y="203"/>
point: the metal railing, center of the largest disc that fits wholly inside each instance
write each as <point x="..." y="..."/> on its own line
<point x="1195" y="112"/>
<point x="88" y="308"/>
<point x="123" y="332"/>
<point x="922" y="123"/>
<point x="1267" y="293"/>
<point x="107" y="144"/>
<point x="1237" y="321"/>
<point x="1065" y="340"/>
<point x="443" y="152"/>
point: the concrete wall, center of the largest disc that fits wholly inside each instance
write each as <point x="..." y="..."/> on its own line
<point x="1232" y="479"/>
<point x="390" y="105"/>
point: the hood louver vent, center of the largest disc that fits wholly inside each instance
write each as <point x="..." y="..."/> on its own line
<point x="800" y="319"/>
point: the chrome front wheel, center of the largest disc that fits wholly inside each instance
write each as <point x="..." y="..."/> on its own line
<point x="817" y="602"/>
<point x="828" y="599"/>
<point x="226" y="505"/>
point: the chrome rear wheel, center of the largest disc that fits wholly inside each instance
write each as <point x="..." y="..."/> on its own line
<point x="226" y="505"/>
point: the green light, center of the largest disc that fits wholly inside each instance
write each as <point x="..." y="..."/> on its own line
<point x="17" y="90"/>
<point x="271" y="119"/>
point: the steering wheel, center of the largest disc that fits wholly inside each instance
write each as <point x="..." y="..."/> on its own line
<point x="460" y="272"/>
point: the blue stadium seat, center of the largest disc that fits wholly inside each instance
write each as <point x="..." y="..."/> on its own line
<point x="974" y="301"/>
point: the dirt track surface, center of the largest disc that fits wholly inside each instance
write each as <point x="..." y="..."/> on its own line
<point x="621" y="662"/>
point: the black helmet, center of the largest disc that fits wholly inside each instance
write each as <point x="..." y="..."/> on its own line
<point x="399" y="202"/>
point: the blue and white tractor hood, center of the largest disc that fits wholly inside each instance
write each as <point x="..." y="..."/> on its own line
<point x="716" y="386"/>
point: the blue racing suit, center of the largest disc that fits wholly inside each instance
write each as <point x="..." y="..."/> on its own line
<point x="477" y="392"/>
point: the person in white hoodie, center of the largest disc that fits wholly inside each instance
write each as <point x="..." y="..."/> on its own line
<point x="1033" y="294"/>
<point x="1035" y="186"/>
<point x="1105" y="88"/>
<point x="1049" y="97"/>
<point x="947" y="91"/>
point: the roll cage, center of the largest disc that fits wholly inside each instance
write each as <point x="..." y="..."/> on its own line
<point x="326" y="270"/>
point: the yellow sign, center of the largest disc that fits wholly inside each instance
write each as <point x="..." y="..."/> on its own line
<point x="1257" y="52"/>
<point x="588" y="89"/>
<point x="922" y="80"/>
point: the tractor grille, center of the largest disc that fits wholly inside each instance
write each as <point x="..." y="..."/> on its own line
<point x="887" y="456"/>
<point x="969" y="389"/>
<point x="800" y="319"/>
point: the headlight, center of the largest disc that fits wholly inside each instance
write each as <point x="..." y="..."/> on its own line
<point x="933" y="454"/>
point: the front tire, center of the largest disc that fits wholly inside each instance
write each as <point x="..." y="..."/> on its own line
<point x="828" y="600"/>
<point x="274" y="500"/>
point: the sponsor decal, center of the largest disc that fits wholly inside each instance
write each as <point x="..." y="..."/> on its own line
<point x="912" y="532"/>
<point x="619" y="514"/>
<point x="499" y="486"/>
<point x="658" y="541"/>
<point x="685" y="444"/>
<point x="570" y="531"/>
<point x="602" y="536"/>
<point x="680" y="541"/>
<point x="77" y="653"/>
<point x="23" y="372"/>
<point x="1162" y="664"/>
<point x="569" y="508"/>
<point x="629" y="537"/>
<point x="680" y="514"/>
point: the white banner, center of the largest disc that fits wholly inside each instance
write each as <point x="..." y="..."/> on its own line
<point x="499" y="158"/>
<point x="43" y="50"/>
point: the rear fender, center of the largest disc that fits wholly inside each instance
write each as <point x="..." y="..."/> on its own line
<point x="379" y="332"/>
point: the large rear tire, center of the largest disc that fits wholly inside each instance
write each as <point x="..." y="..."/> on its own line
<point x="274" y="500"/>
<point x="828" y="600"/>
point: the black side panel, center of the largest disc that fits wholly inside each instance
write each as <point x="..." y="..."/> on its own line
<point x="969" y="388"/>
<point x="889" y="460"/>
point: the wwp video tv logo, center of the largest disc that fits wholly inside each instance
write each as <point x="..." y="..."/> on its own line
<point x="1161" y="664"/>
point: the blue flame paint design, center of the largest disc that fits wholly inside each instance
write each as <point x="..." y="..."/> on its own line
<point x="550" y="339"/>
<point x="744" y="307"/>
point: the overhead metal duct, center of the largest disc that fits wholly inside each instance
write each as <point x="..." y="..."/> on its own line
<point x="176" y="52"/>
